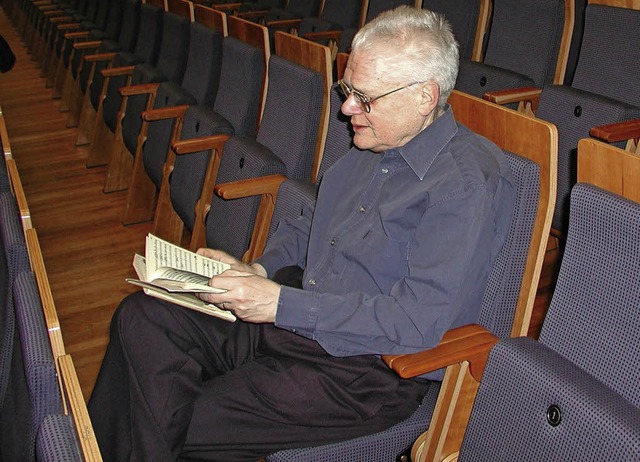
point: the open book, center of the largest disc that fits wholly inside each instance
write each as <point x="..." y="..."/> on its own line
<point x="174" y="274"/>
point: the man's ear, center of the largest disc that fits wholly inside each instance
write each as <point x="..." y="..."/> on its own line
<point x="429" y="98"/>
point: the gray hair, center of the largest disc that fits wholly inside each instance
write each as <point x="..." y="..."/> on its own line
<point x="428" y="49"/>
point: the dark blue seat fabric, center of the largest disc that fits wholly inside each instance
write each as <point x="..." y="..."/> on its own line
<point x="285" y="143"/>
<point x="234" y="109"/>
<point x="584" y="370"/>
<point x="145" y="51"/>
<point x="126" y="43"/>
<point x="15" y="260"/>
<point x="57" y="440"/>
<point x="463" y="16"/>
<point x="522" y="48"/>
<point x="604" y="90"/>
<point x="170" y="67"/>
<point x="37" y="358"/>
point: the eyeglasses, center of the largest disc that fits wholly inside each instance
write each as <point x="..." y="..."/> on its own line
<point x="363" y="101"/>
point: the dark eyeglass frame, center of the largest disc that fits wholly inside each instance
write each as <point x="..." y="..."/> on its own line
<point x="364" y="102"/>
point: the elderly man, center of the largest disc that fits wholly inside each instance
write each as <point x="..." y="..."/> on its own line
<point x="395" y="252"/>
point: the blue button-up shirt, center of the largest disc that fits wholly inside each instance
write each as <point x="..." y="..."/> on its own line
<point x="399" y="245"/>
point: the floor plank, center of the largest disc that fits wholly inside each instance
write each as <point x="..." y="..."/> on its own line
<point x="87" y="251"/>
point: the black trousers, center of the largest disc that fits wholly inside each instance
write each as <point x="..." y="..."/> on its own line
<point x="178" y="384"/>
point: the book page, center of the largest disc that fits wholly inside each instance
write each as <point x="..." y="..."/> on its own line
<point x="161" y="253"/>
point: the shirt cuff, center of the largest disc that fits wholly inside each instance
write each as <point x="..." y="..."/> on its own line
<point x="297" y="311"/>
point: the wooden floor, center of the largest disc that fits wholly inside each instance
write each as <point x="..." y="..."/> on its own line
<point x="87" y="251"/>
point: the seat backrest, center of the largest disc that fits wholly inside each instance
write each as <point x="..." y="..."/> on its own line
<point x="610" y="67"/>
<point x="15" y="260"/>
<point x="291" y="136"/>
<point x="376" y="7"/>
<point x="174" y="46"/>
<point x="57" y="440"/>
<point x="202" y="70"/>
<point x="39" y="366"/>
<point x="526" y="37"/>
<point x="491" y="121"/>
<point x="316" y="61"/>
<point x="149" y="33"/>
<point x="574" y="395"/>
<point x="294" y="195"/>
<point x="469" y="21"/>
<point x="129" y="26"/>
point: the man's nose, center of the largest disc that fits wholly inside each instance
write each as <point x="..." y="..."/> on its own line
<point x="350" y="106"/>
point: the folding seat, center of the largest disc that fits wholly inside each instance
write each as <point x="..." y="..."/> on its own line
<point x="335" y="26"/>
<point x="236" y="110"/>
<point x="604" y="90"/>
<point x="87" y="42"/>
<point x="528" y="46"/>
<point x="378" y="6"/>
<point x="13" y="261"/>
<point x="60" y="47"/>
<point x="51" y="21"/>
<point x="469" y="22"/>
<point x="572" y="395"/>
<point x="57" y="440"/>
<point x="285" y="19"/>
<point x="93" y="26"/>
<point x="289" y="141"/>
<point x="90" y="80"/>
<point x="119" y="75"/>
<point x="283" y="198"/>
<point x="508" y="301"/>
<point x="68" y="437"/>
<point x="41" y="396"/>
<point x="170" y="67"/>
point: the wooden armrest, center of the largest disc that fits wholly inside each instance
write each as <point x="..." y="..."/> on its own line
<point x="205" y="143"/>
<point x="252" y="14"/>
<point x="285" y="24"/>
<point x="326" y="35"/>
<point x="72" y="25"/>
<point x="58" y="19"/>
<point x="170" y="112"/>
<point x="49" y="8"/>
<point x="18" y="191"/>
<point x="78" y="409"/>
<point x="621" y="131"/>
<point x="250" y="187"/>
<point x="514" y="95"/>
<point x="76" y="35"/>
<point x="226" y="6"/>
<point x="116" y="71"/>
<point x="139" y="89"/>
<point x="471" y="343"/>
<point x="87" y="45"/>
<point x="99" y="57"/>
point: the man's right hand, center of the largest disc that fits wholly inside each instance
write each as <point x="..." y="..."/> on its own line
<point x="235" y="264"/>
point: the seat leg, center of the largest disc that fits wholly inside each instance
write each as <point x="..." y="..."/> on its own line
<point x="141" y="196"/>
<point x="118" y="169"/>
<point x="167" y="224"/>
<point x="101" y="144"/>
<point x="86" y="122"/>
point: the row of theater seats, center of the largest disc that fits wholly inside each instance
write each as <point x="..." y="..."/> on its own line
<point x="42" y="411"/>
<point x="532" y="148"/>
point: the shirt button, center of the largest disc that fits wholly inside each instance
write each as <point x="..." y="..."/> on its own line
<point x="333" y="242"/>
<point x="312" y="282"/>
<point x="363" y="209"/>
<point x="385" y="170"/>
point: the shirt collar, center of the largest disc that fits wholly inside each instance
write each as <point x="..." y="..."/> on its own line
<point x="421" y="151"/>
